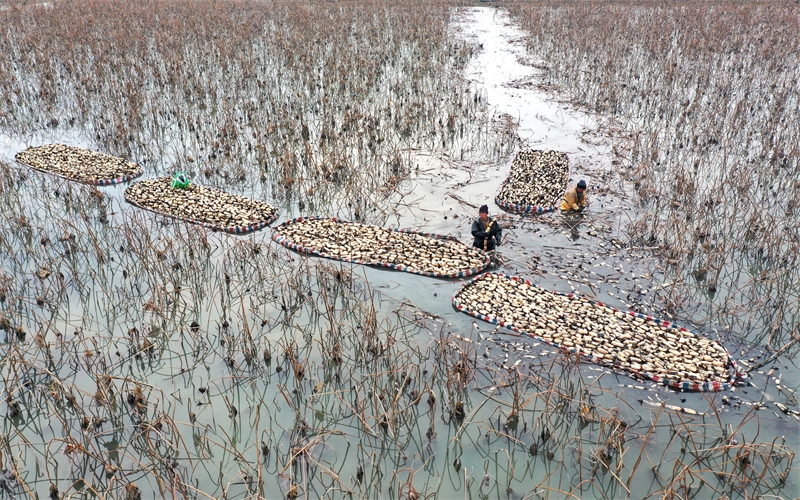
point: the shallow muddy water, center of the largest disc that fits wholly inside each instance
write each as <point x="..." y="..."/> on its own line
<point x="172" y="337"/>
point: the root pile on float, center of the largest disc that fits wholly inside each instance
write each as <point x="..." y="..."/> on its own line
<point x="79" y="164"/>
<point x="638" y="344"/>
<point x="413" y="252"/>
<point x="536" y="182"/>
<point x="202" y="205"/>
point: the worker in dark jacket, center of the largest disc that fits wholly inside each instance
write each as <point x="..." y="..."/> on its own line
<point x="486" y="231"/>
<point x="575" y="199"/>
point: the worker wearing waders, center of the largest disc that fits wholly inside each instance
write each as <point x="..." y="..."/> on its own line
<point x="486" y="231"/>
<point x="575" y="199"/>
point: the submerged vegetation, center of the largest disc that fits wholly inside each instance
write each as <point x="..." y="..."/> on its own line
<point x="144" y="357"/>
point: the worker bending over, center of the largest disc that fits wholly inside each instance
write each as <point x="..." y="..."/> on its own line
<point x="575" y="198"/>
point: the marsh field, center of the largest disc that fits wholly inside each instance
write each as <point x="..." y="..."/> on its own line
<point x="144" y="357"/>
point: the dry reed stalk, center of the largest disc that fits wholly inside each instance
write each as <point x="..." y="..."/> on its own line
<point x="680" y="142"/>
<point x="332" y="125"/>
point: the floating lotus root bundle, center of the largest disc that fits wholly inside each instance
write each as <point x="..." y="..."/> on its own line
<point x="413" y="252"/>
<point x="207" y="206"/>
<point x="79" y="164"/>
<point x="536" y="182"/>
<point x="638" y="344"/>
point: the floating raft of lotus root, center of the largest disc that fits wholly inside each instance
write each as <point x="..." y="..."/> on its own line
<point x="413" y="252"/>
<point x="643" y="346"/>
<point x="209" y="207"/>
<point x="79" y="164"/>
<point x="536" y="182"/>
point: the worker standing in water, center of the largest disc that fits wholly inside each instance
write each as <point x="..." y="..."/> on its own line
<point x="487" y="232"/>
<point x="575" y="198"/>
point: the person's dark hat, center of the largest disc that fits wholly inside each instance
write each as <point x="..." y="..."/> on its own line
<point x="483" y="210"/>
<point x="581" y="184"/>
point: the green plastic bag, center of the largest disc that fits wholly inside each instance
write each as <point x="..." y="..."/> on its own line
<point x="180" y="180"/>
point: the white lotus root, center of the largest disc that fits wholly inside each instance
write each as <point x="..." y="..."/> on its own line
<point x="200" y="204"/>
<point x="537" y="178"/>
<point x="381" y="246"/>
<point x="612" y="337"/>
<point x="78" y="164"/>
